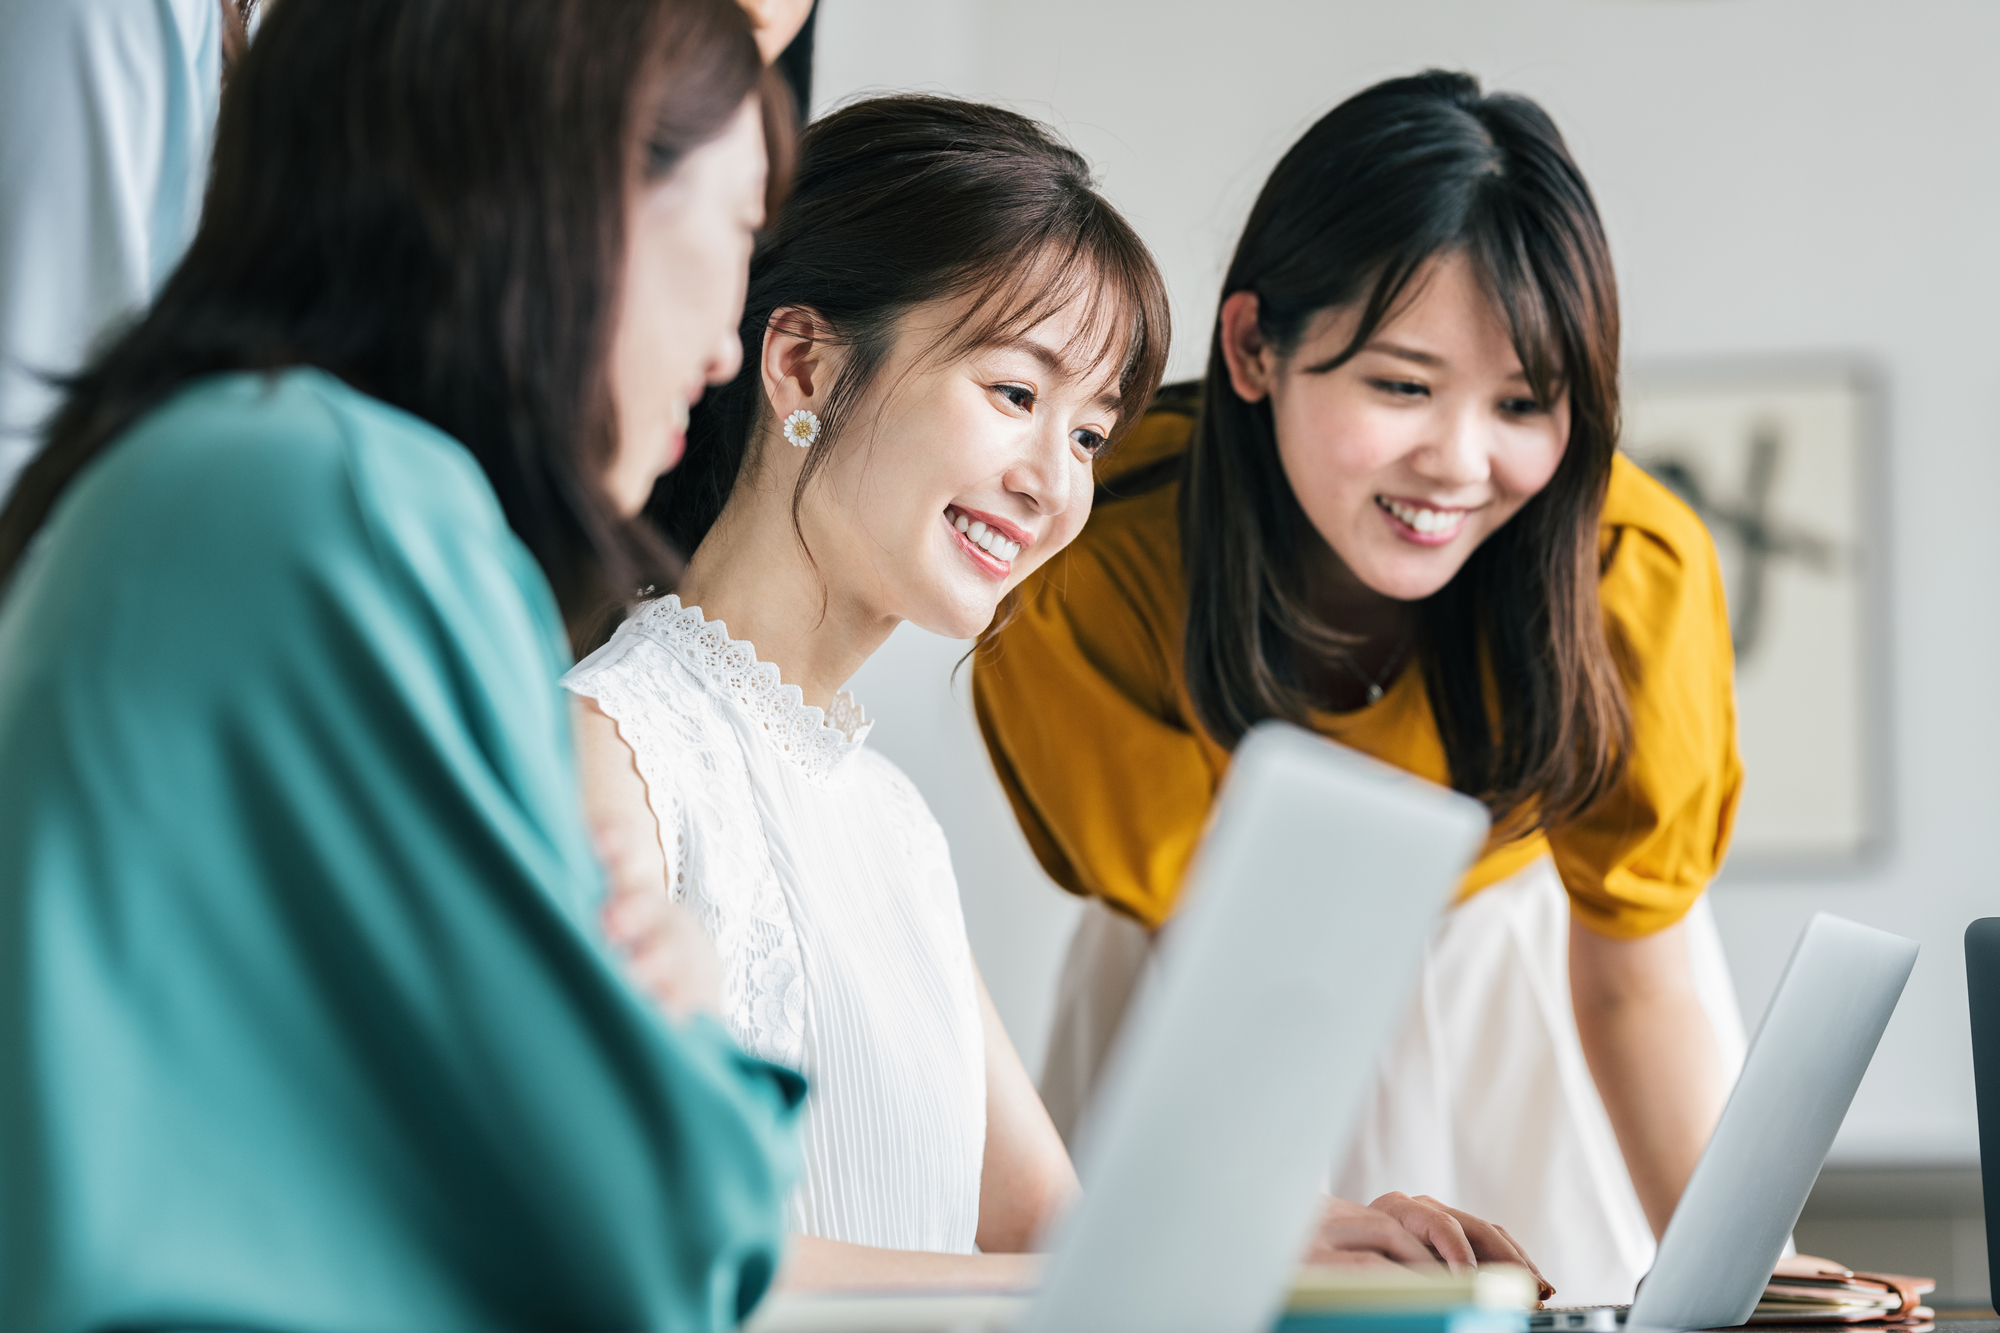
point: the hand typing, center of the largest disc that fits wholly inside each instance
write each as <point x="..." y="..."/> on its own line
<point x="1418" y="1231"/>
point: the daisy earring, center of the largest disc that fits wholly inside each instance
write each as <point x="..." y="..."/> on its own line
<point x="802" y="428"/>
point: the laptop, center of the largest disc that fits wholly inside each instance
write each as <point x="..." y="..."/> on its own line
<point x="1801" y="1072"/>
<point x="1245" y="1063"/>
<point x="1982" y="991"/>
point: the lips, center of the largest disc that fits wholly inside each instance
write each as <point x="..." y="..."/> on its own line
<point x="1429" y="525"/>
<point x="986" y="536"/>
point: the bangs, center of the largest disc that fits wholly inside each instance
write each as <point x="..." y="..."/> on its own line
<point x="1543" y="288"/>
<point x="1535" y="287"/>
<point x="1096" y="267"/>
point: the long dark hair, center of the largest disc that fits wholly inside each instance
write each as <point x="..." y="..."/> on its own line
<point x="427" y="199"/>
<point x="1394" y="177"/>
<point x="904" y="200"/>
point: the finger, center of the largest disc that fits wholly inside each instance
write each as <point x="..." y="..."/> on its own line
<point x="1548" y="1288"/>
<point x="613" y="844"/>
<point x="635" y="918"/>
<point x="1490" y="1244"/>
<point x="1432" y="1223"/>
<point x="1379" y="1232"/>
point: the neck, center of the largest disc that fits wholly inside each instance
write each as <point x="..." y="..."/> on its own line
<point x="751" y="573"/>
<point x="1357" y="677"/>
<point x="1345" y="602"/>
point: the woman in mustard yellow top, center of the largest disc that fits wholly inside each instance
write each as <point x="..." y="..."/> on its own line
<point x="1393" y="512"/>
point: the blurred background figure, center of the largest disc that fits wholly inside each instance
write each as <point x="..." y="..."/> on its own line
<point x="107" y="108"/>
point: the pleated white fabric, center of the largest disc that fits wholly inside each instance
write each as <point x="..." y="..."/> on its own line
<point x="827" y="887"/>
<point x="1483" y="1099"/>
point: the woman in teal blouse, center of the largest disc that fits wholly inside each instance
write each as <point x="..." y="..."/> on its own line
<point x="306" y="1021"/>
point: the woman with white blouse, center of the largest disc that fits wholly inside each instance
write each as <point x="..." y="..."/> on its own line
<point x="943" y="330"/>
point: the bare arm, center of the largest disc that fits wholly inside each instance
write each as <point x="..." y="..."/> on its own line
<point x="1026" y="1176"/>
<point x="814" y="1264"/>
<point x="1653" y="1054"/>
<point x="666" y="954"/>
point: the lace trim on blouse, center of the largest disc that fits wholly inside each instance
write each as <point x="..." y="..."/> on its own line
<point x="815" y="740"/>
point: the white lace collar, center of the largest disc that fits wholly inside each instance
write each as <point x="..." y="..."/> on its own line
<point x="817" y="741"/>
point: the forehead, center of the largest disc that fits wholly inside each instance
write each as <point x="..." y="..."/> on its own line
<point x="1447" y="312"/>
<point x="1078" y="332"/>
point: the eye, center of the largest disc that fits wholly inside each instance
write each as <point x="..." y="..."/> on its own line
<point x="1089" y="441"/>
<point x="1019" y="395"/>
<point x="1405" y="389"/>
<point x="1521" y="407"/>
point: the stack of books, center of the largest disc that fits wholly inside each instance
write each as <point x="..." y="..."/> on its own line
<point x="1323" y="1300"/>
<point x="1807" y="1290"/>
<point x="1382" y="1299"/>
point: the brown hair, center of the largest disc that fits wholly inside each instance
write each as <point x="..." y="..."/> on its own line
<point x="1392" y="178"/>
<point x="908" y="199"/>
<point x="427" y="199"/>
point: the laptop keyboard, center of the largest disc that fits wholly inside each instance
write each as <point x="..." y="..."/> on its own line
<point x="1578" y="1319"/>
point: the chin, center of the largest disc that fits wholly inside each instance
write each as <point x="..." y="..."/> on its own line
<point x="1410" y="585"/>
<point x="957" y="620"/>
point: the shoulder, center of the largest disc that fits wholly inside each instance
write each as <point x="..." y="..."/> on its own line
<point x="295" y="493"/>
<point x="1640" y="504"/>
<point x="908" y="818"/>
<point x="302" y="471"/>
<point x="1661" y="583"/>
<point x="641" y="678"/>
<point x="1653" y="546"/>
<point x="290" y="439"/>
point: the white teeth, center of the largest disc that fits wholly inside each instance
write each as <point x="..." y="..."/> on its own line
<point x="986" y="539"/>
<point x="1425" y="520"/>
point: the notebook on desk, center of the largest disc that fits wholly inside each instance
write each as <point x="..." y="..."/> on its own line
<point x="1243" y="1068"/>
<point x="1371" y="1299"/>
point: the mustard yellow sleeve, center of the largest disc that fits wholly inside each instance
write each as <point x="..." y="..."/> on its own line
<point x="1635" y="863"/>
<point x="1076" y="703"/>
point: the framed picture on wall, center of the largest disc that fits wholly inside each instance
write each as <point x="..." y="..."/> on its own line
<point x="1781" y="459"/>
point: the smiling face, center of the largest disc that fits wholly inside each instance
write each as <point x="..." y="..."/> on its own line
<point x="960" y="475"/>
<point x="688" y="239"/>
<point x="1417" y="449"/>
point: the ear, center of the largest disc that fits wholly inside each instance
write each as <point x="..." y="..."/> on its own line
<point x="796" y="364"/>
<point x="1253" y="366"/>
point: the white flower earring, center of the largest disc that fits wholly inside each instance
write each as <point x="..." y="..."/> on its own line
<point x="802" y="428"/>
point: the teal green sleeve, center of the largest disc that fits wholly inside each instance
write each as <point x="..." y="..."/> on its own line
<point x="304" y="1019"/>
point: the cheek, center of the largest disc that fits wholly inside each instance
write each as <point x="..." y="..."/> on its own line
<point x="1331" y="450"/>
<point x="1522" y="471"/>
<point x="648" y="315"/>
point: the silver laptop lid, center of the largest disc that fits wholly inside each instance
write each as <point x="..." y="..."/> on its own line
<point x="1800" y="1075"/>
<point x="1243" y="1068"/>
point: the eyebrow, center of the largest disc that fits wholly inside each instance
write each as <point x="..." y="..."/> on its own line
<point x="1057" y="366"/>
<point x="1411" y="354"/>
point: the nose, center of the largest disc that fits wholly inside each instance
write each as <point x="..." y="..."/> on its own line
<point x="725" y="359"/>
<point x="1461" y="453"/>
<point x="1043" y="475"/>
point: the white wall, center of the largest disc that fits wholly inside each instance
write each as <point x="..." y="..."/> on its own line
<point x="1777" y="175"/>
